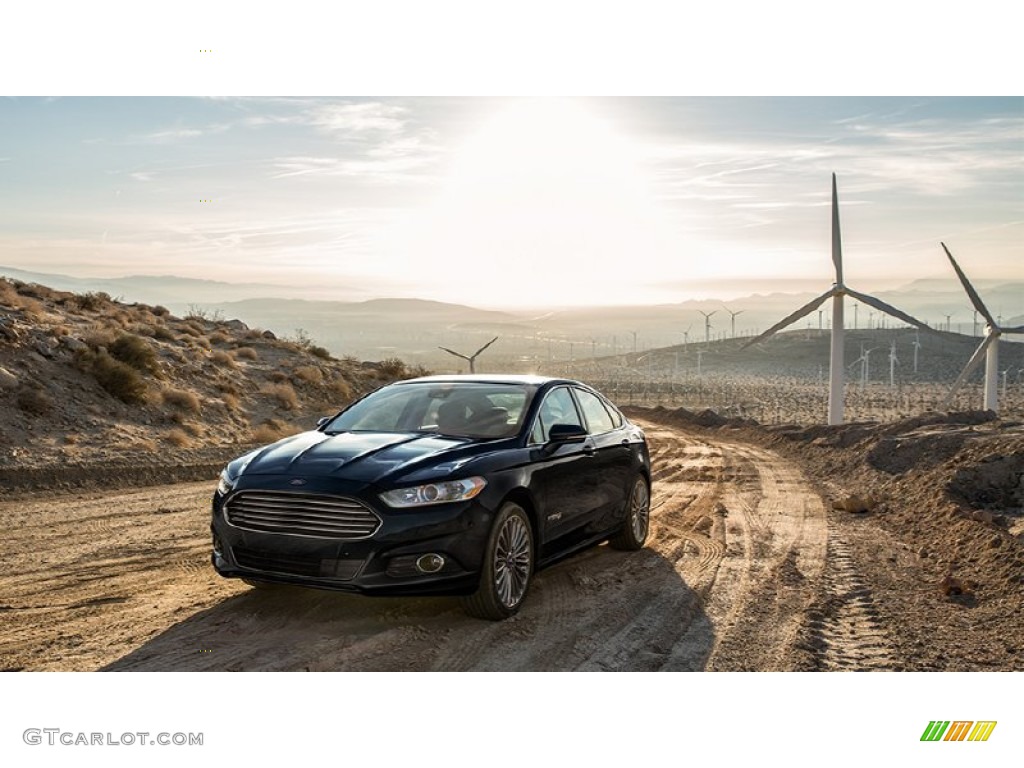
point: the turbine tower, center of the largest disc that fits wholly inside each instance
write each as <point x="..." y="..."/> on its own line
<point x="707" y="324"/>
<point x="989" y="345"/>
<point x="733" y="319"/>
<point x="472" y="358"/>
<point x="837" y="292"/>
<point x="893" y="360"/>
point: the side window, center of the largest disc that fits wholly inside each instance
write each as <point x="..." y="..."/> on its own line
<point x="597" y="416"/>
<point x="617" y="418"/>
<point x="557" y="408"/>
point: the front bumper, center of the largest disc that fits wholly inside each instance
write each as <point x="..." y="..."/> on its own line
<point x="383" y="563"/>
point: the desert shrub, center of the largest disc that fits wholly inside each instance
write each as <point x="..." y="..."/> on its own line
<point x="161" y="311"/>
<point x="320" y="352"/>
<point x="33" y="400"/>
<point x="191" y="329"/>
<point x="308" y="374"/>
<point x="392" y="367"/>
<point x="219" y="338"/>
<point x="272" y="430"/>
<point x="134" y="351"/>
<point x="99" y="337"/>
<point x="278" y="377"/>
<point x="181" y="399"/>
<point x="193" y="429"/>
<point x="341" y="390"/>
<point x="92" y="302"/>
<point x="8" y="293"/>
<point x="223" y="359"/>
<point x="231" y="402"/>
<point x="162" y="333"/>
<point x="283" y="393"/>
<point x="177" y="438"/>
<point x="117" y="378"/>
<point x="246" y="353"/>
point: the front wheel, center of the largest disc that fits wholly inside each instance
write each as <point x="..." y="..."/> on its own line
<point x="507" y="567"/>
<point x="633" y="533"/>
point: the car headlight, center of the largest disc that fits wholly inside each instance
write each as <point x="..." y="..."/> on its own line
<point x="225" y="484"/>
<point x="434" y="493"/>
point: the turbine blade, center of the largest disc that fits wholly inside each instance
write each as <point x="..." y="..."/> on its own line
<point x="1014" y="329"/>
<point x="485" y="346"/>
<point x="805" y="310"/>
<point x="971" y="293"/>
<point x="453" y="352"/>
<point x="889" y="309"/>
<point x="837" y="241"/>
<point x="973" y="363"/>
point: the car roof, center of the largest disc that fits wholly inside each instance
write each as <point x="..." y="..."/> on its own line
<point x="489" y="378"/>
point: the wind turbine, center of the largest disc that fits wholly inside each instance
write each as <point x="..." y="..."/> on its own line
<point x="917" y="346"/>
<point x="472" y="358"/>
<point x="707" y="324"/>
<point x="837" y="292"/>
<point x="740" y="312"/>
<point x="989" y="345"/>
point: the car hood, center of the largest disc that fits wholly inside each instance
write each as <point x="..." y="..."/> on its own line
<point x="371" y="457"/>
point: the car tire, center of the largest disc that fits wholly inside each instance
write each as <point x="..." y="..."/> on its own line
<point x="507" y="567"/>
<point x="633" y="534"/>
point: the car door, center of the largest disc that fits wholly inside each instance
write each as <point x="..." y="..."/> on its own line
<point x="564" y="477"/>
<point x="612" y="460"/>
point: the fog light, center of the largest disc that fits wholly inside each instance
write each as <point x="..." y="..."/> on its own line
<point x="429" y="563"/>
<point x="217" y="547"/>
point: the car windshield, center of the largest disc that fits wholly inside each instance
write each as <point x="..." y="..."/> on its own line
<point x="453" y="409"/>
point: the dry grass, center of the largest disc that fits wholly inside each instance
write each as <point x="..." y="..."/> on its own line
<point x="308" y="374"/>
<point x="178" y="438"/>
<point x="118" y="379"/>
<point x="246" y="353"/>
<point x="279" y="377"/>
<point x="134" y="351"/>
<point x="283" y="393"/>
<point x="341" y="389"/>
<point x="219" y="338"/>
<point x="272" y="430"/>
<point x="181" y="399"/>
<point x="223" y="359"/>
<point x="231" y="402"/>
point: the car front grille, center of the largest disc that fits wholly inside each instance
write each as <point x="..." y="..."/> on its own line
<point x="302" y="514"/>
<point x="291" y="565"/>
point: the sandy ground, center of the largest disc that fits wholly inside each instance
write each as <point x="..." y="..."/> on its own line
<point x="746" y="569"/>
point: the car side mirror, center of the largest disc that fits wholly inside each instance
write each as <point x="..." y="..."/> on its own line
<point x="322" y="420"/>
<point x="566" y="433"/>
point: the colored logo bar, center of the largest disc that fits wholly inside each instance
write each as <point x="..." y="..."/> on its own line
<point x="958" y="730"/>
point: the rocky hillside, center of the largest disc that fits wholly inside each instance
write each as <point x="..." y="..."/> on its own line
<point x="96" y="391"/>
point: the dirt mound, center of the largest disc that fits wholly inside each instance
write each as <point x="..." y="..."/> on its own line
<point x="947" y="495"/>
<point x="93" y="390"/>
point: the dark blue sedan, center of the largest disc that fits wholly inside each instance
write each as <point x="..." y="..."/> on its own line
<point x="439" y="485"/>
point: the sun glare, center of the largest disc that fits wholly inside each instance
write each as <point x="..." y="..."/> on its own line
<point x="543" y="205"/>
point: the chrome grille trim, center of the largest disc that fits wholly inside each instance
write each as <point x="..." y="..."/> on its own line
<point x="301" y="514"/>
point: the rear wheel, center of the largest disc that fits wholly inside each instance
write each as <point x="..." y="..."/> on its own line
<point x="633" y="533"/>
<point x="507" y="567"/>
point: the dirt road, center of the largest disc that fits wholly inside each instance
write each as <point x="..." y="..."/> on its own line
<point x="742" y="572"/>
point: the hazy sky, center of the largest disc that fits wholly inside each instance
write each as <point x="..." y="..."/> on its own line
<point x="502" y="202"/>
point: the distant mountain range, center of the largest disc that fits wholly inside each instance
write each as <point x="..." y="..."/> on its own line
<point x="413" y="329"/>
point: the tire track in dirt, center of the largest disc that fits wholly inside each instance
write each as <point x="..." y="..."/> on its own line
<point x="846" y="632"/>
<point x="735" y="557"/>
